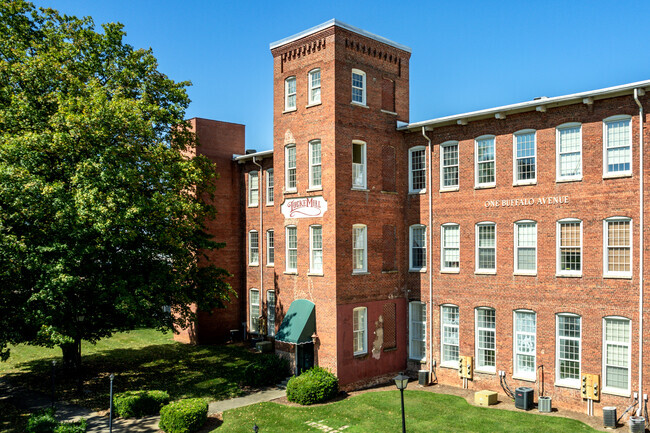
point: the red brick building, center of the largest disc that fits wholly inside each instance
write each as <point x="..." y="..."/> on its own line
<point x="510" y="235"/>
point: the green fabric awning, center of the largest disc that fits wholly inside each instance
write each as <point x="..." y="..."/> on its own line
<point x="299" y="324"/>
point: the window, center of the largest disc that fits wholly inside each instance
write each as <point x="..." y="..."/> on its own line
<point x="568" y="349"/>
<point x="359" y="330"/>
<point x="525" y="150"/>
<point x="450" y="255"/>
<point x="418" y="256"/>
<point x="358" y="165"/>
<point x="618" y="247"/>
<point x="254" y="303"/>
<point x="569" y="151"/>
<point x="486" y="340"/>
<point x="526" y="247"/>
<point x="314" y="164"/>
<point x="292" y="249"/>
<point x="525" y="345"/>
<point x="617" y="145"/>
<point x="358" y="87"/>
<point x="290" y="164"/>
<point x="359" y="248"/>
<point x="270" y="247"/>
<point x="485" y="170"/>
<point x="316" y="249"/>
<point x="486" y="247"/>
<point x="253" y="248"/>
<point x="314" y="86"/>
<point x="290" y="94"/>
<point x="449" y="165"/>
<point x="616" y="354"/>
<point x="253" y="189"/>
<point x="418" y="331"/>
<point x="449" y="338"/>
<point x="270" y="313"/>
<point x="269" y="186"/>
<point x="569" y="247"/>
<point x="417" y="169"/>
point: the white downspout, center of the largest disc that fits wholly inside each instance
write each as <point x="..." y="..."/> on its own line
<point x="260" y="236"/>
<point x="641" y="248"/>
<point x="430" y="187"/>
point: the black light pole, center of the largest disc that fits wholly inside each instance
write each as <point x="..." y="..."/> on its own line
<point x="53" y="383"/>
<point x="110" y="410"/>
<point x="401" y="381"/>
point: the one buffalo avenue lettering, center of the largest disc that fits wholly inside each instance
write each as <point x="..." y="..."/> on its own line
<point x="304" y="207"/>
<point x="530" y="201"/>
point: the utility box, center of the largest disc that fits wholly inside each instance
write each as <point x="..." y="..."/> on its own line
<point x="465" y="367"/>
<point x="264" y="347"/>
<point x="524" y="398"/>
<point x="485" y="398"/>
<point x="590" y="386"/>
<point x="423" y="377"/>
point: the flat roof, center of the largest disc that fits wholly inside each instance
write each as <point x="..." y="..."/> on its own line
<point x="335" y="22"/>
<point x="260" y="155"/>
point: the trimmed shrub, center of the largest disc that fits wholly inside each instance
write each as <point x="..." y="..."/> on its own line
<point x="71" y="427"/>
<point x="42" y="421"/>
<point x="268" y="369"/>
<point x="183" y="416"/>
<point x="315" y="385"/>
<point x="137" y="404"/>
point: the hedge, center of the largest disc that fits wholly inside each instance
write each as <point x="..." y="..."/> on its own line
<point x="268" y="369"/>
<point x="183" y="416"/>
<point x="45" y="422"/>
<point x="137" y="404"/>
<point x="315" y="385"/>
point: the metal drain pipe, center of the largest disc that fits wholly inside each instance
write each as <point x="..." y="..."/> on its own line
<point x="641" y="245"/>
<point x="430" y="187"/>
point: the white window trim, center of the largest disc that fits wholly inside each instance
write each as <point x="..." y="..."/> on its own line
<point x="411" y="267"/>
<point x="309" y="74"/>
<point x="516" y="249"/>
<point x="442" y="166"/>
<point x="559" y="271"/>
<point x="312" y="185"/>
<point x="516" y="374"/>
<point x="477" y="367"/>
<point x="270" y="329"/>
<point x="363" y="94"/>
<point x="269" y="194"/>
<point x="411" y="151"/>
<point x="250" y="311"/>
<point x="612" y="390"/>
<point x="364" y="163"/>
<point x="606" y="273"/>
<point x="442" y="248"/>
<point x="515" y="181"/>
<point x="478" y="185"/>
<point x="607" y="174"/>
<point x="365" y="330"/>
<point x="568" y="383"/>
<point x="454" y="362"/>
<point x="252" y="174"/>
<point x="250" y="248"/>
<point x="268" y="248"/>
<point x="558" y="176"/>
<point x="286" y="168"/>
<point x="286" y="94"/>
<point x="411" y="328"/>
<point x="312" y="270"/>
<point x="365" y="249"/>
<point x="478" y="270"/>
<point x="286" y="243"/>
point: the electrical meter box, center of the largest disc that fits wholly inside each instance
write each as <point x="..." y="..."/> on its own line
<point x="466" y="367"/>
<point x="590" y="386"/>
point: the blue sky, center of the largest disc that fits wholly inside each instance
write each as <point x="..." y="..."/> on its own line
<point x="466" y="56"/>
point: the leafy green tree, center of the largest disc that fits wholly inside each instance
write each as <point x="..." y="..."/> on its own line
<point x="102" y="205"/>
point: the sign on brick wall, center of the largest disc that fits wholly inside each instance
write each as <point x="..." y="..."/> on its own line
<point x="305" y="207"/>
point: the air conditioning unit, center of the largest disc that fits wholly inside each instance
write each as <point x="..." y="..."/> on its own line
<point x="524" y="398"/>
<point x="544" y="404"/>
<point x="609" y="416"/>
<point x="423" y="377"/>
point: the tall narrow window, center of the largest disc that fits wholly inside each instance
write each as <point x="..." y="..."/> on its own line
<point x="418" y="256"/>
<point x="292" y="249"/>
<point x="450" y="256"/>
<point x="270" y="247"/>
<point x="525" y="345"/>
<point x="253" y="188"/>
<point x="449" y="165"/>
<point x="449" y="330"/>
<point x="486" y="247"/>
<point x="358" y="87"/>
<point x="314" y="164"/>
<point x="616" y="354"/>
<point x="485" y="169"/>
<point x="618" y="145"/>
<point x="359" y="330"/>
<point x="618" y="247"/>
<point x="417" y="169"/>
<point x="569" y="247"/>
<point x="388" y="95"/>
<point x="269" y="186"/>
<point x="568" y="349"/>
<point x="290" y="94"/>
<point x="358" y="165"/>
<point x="418" y="331"/>
<point x="316" y="247"/>
<point x="525" y="150"/>
<point x="270" y="313"/>
<point x="569" y="151"/>
<point x="359" y="249"/>
<point x="526" y="247"/>
<point x="290" y="164"/>
<point x="254" y="311"/>
<point x="485" y="339"/>
<point x="253" y="248"/>
<point x="314" y="86"/>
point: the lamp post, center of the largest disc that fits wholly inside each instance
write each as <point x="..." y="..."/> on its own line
<point x="401" y="381"/>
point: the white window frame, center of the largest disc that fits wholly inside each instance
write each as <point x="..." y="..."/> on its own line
<point x="515" y="158"/>
<point x="270" y="313"/>
<point x="254" y="320"/>
<point x="290" y="270"/>
<point x="476" y="162"/>
<point x="287" y="107"/>
<point x="270" y="247"/>
<point x="312" y="183"/>
<point x="364" y="166"/>
<point x="253" y="193"/>
<point x="569" y="383"/>
<point x="363" y="330"/>
<point x="451" y="363"/>
<point x="477" y="269"/>
<point x="615" y="274"/>
<point x="417" y="325"/>
<point x="444" y="248"/>
<point x="363" y="90"/>
<point x="532" y="376"/>
<point x="251" y="261"/>
<point x="412" y="189"/>
<point x="287" y="168"/>
<point x="517" y="247"/>
<point x="609" y="389"/>
<point x="558" y="153"/>
<point x="558" y="249"/>
<point x="312" y="100"/>
<point x="478" y="367"/>
<point x="412" y="267"/>
<point x="312" y="250"/>
<point x="270" y="186"/>
<point x="444" y="187"/>
<point x="364" y="269"/>
<point x="606" y="122"/>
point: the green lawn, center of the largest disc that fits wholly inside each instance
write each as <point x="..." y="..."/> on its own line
<point x="426" y="412"/>
<point x="142" y="359"/>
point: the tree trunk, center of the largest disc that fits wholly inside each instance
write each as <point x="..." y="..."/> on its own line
<point x="72" y="355"/>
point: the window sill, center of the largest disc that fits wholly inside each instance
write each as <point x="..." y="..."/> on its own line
<point x="568" y="275"/>
<point x="493" y="372"/>
<point x="420" y="360"/>
<point x="618" y="277"/>
<point x="290" y="272"/>
<point x="485" y="186"/>
<point x="453" y="366"/>
<point x="290" y="191"/>
<point x="449" y="189"/>
<point x="450" y="271"/>
<point x="389" y="112"/>
<point x="616" y="175"/>
<point x="524" y="274"/>
<point x="290" y="110"/>
<point x="270" y="204"/>
<point x="253" y="205"/>
<point x="358" y="188"/>
<point x="313" y="104"/>
<point x="389" y="272"/>
<point x="485" y="272"/>
<point x="318" y="188"/>
<point x="619" y="393"/>
<point x="360" y="355"/>
<point x="361" y="273"/>
<point x="572" y="385"/>
<point x="253" y="265"/>
<point x="270" y="265"/>
<point x="420" y="192"/>
<point x="418" y="270"/>
<point x="524" y="379"/>
<point x="389" y="192"/>
<point x="532" y="182"/>
<point x="359" y="104"/>
<point x="569" y="179"/>
<point x="314" y="274"/>
<point x="390" y="349"/>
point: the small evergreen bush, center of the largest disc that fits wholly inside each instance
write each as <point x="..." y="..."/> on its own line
<point x="315" y="385"/>
<point x="268" y="369"/>
<point x="137" y="404"/>
<point x="183" y="416"/>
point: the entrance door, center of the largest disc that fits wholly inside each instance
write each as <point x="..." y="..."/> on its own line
<point x="305" y="357"/>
